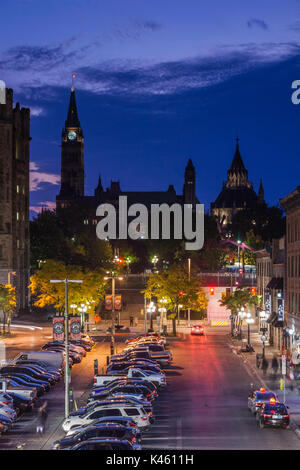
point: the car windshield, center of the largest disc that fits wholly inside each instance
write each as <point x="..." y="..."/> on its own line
<point x="277" y="409"/>
<point x="264" y="396"/>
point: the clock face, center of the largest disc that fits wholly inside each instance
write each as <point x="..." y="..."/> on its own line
<point x="58" y="328"/>
<point x="72" y="135"/>
<point x="75" y="328"/>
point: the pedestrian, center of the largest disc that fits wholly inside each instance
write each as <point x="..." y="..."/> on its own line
<point x="264" y="365"/>
<point x="275" y="365"/>
<point x="42" y="419"/>
<point x="131" y="320"/>
<point x="292" y="378"/>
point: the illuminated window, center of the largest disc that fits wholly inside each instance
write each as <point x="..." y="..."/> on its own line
<point x="18" y="189"/>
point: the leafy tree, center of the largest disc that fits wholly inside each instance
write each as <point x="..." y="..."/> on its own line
<point x="240" y="298"/>
<point x="8" y="303"/>
<point x="174" y="286"/>
<point x="47" y="240"/>
<point x="267" y="222"/>
<point x="91" y="290"/>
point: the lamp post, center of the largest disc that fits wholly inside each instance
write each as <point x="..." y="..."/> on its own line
<point x="242" y="314"/>
<point x="154" y="261"/>
<point x="250" y="321"/>
<point x="113" y="278"/>
<point x="82" y="309"/>
<point x="163" y="301"/>
<point x="151" y="309"/>
<point x="67" y="370"/>
<point x="189" y="277"/>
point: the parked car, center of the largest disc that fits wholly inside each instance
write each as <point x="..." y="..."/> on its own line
<point x="8" y="411"/>
<point x="124" y="420"/>
<point x="103" y="444"/>
<point x="273" y="414"/>
<point x="20" y="379"/>
<point x="104" y="430"/>
<point x="258" y="397"/>
<point x="137" y="413"/>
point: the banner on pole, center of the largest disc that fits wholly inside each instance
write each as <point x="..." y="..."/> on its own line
<point x="108" y="302"/>
<point x="75" y="327"/>
<point x="58" y="328"/>
<point x="283" y="364"/>
<point x="118" y="302"/>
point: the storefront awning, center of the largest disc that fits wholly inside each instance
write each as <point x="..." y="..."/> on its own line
<point x="275" y="283"/>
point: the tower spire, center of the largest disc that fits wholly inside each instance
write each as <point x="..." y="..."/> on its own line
<point x="73" y="81"/>
<point x="72" y="117"/>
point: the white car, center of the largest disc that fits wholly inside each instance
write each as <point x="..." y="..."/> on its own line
<point x="8" y="412"/>
<point x="137" y="413"/>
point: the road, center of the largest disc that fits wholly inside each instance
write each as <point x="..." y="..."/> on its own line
<point x="205" y="403"/>
<point x="203" y="407"/>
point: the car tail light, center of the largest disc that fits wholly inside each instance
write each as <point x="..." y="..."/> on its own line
<point x="5" y="402"/>
<point x="266" y="416"/>
<point x="133" y="439"/>
<point x="144" y="418"/>
<point x="95" y="380"/>
<point x="131" y="424"/>
<point x="285" y="416"/>
<point x="148" y="395"/>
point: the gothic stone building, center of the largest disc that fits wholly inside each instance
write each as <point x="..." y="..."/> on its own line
<point x="14" y="197"/>
<point x="72" y="177"/>
<point x="237" y="192"/>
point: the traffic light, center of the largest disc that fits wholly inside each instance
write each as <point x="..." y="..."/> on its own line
<point x="252" y="290"/>
<point x="121" y="261"/>
<point x="211" y="290"/>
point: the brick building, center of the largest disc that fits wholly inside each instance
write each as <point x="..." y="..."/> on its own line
<point x="291" y="204"/>
<point x="14" y="197"/>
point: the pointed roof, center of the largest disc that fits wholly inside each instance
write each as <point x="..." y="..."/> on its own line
<point x="261" y="188"/>
<point x="237" y="164"/>
<point x="190" y="165"/>
<point x="72" y="118"/>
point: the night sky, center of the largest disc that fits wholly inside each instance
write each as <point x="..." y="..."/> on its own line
<point x="158" y="82"/>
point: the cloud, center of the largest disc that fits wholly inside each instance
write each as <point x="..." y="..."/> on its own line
<point x="42" y="206"/>
<point x="37" y="72"/>
<point x="37" y="178"/>
<point x="256" y="23"/>
<point x="35" y="111"/>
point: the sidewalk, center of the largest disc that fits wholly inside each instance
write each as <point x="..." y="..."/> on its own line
<point x="292" y="397"/>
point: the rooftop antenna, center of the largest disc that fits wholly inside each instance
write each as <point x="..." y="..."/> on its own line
<point x="73" y="80"/>
<point x="237" y="136"/>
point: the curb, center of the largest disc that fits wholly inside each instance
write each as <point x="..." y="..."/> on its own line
<point x="293" y="425"/>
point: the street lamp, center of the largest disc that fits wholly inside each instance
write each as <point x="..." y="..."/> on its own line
<point x="154" y="261"/>
<point x="151" y="309"/>
<point x="250" y="321"/>
<point x="113" y="278"/>
<point x="82" y="309"/>
<point x="67" y="370"/>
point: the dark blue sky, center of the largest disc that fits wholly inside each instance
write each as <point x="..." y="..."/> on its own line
<point x="158" y="84"/>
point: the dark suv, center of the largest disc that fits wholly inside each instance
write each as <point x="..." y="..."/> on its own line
<point x="104" y="430"/>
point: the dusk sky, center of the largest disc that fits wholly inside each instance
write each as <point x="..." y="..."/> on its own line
<point x="158" y="82"/>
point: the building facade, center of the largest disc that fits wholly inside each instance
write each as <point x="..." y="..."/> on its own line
<point x="237" y="192"/>
<point x="270" y="263"/>
<point x="14" y="197"/>
<point x="291" y="204"/>
<point x="72" y="178"/>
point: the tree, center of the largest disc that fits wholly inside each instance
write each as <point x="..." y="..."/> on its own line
<point x="267" y="222"/>
<point x="8" y="303"/>
<point x="47" y="240"/>
<point x="91" y="290"/>
<point x="240" y="298"/>
<point x="174" y="286"/>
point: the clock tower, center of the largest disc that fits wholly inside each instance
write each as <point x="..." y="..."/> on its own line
<point x="72" y="156"/>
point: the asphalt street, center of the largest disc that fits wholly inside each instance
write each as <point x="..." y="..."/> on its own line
<point x="205" y="403"/>
<point x="203" y="407"/>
